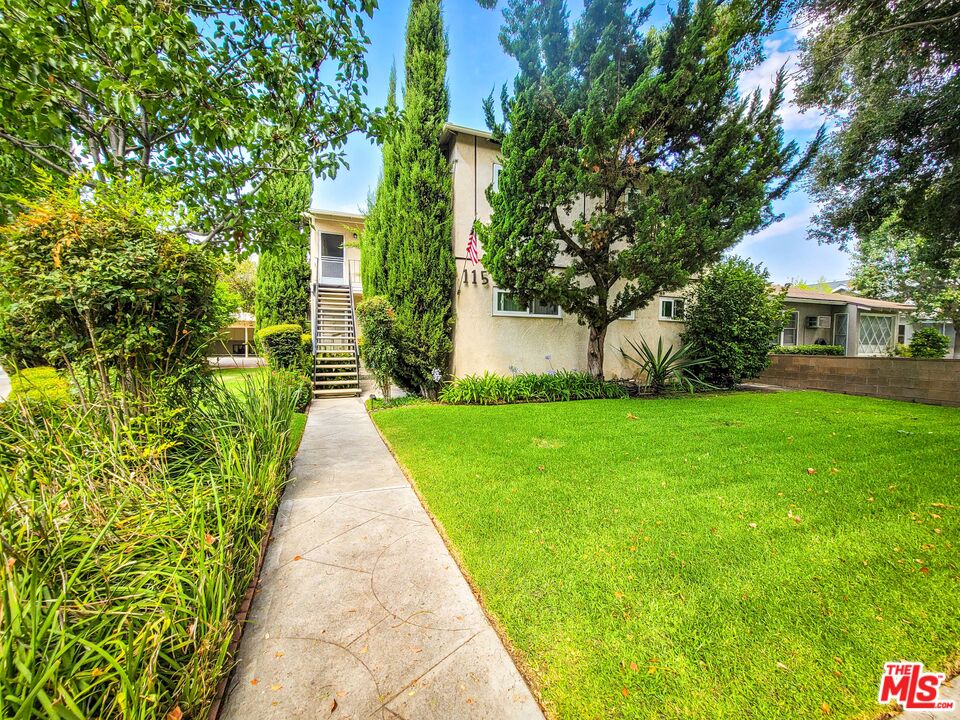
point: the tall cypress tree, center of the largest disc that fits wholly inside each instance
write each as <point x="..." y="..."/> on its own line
<point x="421" y="270"/>
<point x="380" y="218"/>
<point x="283" y="273"/>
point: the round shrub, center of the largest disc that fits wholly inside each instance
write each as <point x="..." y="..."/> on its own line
<point x="730" y="319"/>
<point x="283" y="346"/>
<point x="929" y="343"/>
<point x="100" y="281"/>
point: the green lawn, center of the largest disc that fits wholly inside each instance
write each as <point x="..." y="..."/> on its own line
<point x="677" y="559"/>
<point x="233" y="378"/>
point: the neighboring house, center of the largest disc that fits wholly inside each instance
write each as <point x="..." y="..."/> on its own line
<point x="906" y="326"/>
<point x="236" y="339"/>
<point x="862" y="326"/>
<point x="493" y="331"/>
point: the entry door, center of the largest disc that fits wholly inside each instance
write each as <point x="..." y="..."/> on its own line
<point x="331" y="260"/>
<point x="840" y="331"/>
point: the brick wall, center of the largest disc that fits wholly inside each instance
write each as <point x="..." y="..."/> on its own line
<point x="936" y="382"/>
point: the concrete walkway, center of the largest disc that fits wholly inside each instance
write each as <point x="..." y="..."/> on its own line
<point x="361" y="611"/>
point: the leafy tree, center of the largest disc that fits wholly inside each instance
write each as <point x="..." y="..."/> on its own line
<point x="240" y="282"/>
<point x="731" y="318"/>
<point x="629" y="160"/>
<point x="283" y="273"/>
<point x="421" y="271"/>
<point x="213" y="95"/>
<point x="929" y="343"/>
<point x="891" y="263"/>
<point x="99" y="283"/>
<point x="888" y="73"/>
<point x="377" y="229"/>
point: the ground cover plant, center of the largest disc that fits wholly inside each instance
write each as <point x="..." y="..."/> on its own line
<point x="128" y="541"/>
<point x="710" y="556"/>
<point x="493" y="389"/>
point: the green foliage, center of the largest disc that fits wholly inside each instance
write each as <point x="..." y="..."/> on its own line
<point x="928" y="343"/>
<point x="378" y="340"/>
<point x="807" y="350"/>
<point x="212" y="96"/>
<point x="97" y="280"/>
<point x="730" y="318"/>
<point x="892" y="263"/>
<point x="887" y="75"/>
<point x="492" y="389"/>
<point x="283" y="346"/>
<point x="648" y="125"/>
<point x="128" y="543"/>
<point x="39" y="384"/>
<point x="665" y="369"/>
<point x="240" y="284"/>
<point x="283" y="273"/>
<point x="409" y="239"/>
<point x="374" y="404"/>
<point x="378" y="228"/>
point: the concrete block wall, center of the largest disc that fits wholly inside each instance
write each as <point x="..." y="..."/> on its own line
<point x="936" y="382"/>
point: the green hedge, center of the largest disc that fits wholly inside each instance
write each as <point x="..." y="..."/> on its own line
<point x="807" y="350"/>
<point x="492" y="389"/>
<point x="283" y="346"/>
<point x="39" y="384"/>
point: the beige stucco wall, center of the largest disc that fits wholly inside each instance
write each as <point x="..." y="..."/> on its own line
<point x="487" y="342"/>
<point x="350" y="228"/>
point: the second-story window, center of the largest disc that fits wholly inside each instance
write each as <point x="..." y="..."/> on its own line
<point x="497" y="167"/>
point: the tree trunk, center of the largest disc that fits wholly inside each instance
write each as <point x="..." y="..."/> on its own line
<point x="595" y="351"/>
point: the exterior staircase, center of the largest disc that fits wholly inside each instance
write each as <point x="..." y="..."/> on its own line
<point x="336" y="366"/>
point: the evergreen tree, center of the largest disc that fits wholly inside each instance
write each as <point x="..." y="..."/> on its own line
<point x="420" y="265"/>
<point x="283" y="273"/>
<point x="647" y="125"/>
<point x="382" y="212"/>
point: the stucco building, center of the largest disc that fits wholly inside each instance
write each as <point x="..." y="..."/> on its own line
<point x="494" y="332"/>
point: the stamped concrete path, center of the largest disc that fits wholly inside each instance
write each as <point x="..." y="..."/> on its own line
<point x="361" y="611"/>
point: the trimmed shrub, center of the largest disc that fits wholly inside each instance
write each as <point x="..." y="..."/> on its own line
<point x="807" y="350"/>
<point x="283" y="346"/>
<point x="97" y="280"/>
<point x="730" y="318"/>
<point x="929" y="343"/>
<point x="39" y="384"/>
<point x="493" y="389"/>
<point x="378" y="341"/>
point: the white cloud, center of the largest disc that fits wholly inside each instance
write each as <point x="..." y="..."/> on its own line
<point x="762" y="77"/>
<point x="794" y="225"/>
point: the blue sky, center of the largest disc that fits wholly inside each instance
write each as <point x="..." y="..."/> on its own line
<point x="477" y="65"/>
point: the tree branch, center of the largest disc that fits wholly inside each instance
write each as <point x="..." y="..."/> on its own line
<point x="25" y="147"/>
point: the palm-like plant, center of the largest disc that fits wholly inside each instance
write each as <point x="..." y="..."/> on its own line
<point x="663" y="368"/>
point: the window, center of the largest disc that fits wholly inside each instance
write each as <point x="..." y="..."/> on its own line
<point x="505" y="303"/>
<point x="671" y="308"/>
<point x="789" y="334"/>
<point x="497" y="167"/>
<point x="901" y="334"/>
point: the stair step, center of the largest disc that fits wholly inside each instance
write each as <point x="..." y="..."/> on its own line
<point x="336" y="393"/>
<point x="348" y="383"/>
<point x="338" y="373"/>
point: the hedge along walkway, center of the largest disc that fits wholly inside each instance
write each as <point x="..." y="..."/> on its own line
<point x="361" y="610"/>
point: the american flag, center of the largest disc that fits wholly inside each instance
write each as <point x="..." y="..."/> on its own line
<point x="472" y="251"/>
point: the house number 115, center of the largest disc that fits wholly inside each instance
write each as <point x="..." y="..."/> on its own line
<point x="471" y="279"/>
